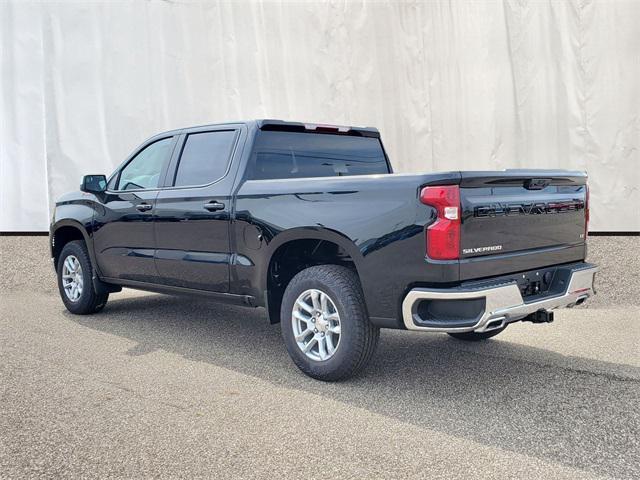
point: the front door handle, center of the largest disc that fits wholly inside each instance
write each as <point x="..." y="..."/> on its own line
<point x="144" y="207"/>
<point x="213" y="206"/>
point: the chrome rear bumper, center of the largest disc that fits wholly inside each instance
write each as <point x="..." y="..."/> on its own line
<point x="502" y="303"/>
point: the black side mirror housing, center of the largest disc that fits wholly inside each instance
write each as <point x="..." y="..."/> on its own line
<point x="94" y="183"/>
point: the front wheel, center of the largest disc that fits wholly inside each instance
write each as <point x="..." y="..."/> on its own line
<point x="325" y="325"/>
<point x="75" y="280"/>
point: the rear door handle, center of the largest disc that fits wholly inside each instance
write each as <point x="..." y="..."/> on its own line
<point x="213" y="206"/>
<point x="144" y="207"/>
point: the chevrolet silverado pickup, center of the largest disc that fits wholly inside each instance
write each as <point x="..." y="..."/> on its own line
<point x="310" y="222"/>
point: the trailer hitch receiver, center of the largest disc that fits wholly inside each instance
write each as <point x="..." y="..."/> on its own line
<point x="541" y="316"/>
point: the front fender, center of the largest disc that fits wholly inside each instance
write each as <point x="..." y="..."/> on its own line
<point x="77" y="213"/>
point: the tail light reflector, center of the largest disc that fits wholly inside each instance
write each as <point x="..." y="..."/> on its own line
<point x="443" y="236"/>
<point x="586" y="212"/>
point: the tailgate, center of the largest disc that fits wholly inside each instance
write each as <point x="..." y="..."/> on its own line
<point x="521" y="211"/>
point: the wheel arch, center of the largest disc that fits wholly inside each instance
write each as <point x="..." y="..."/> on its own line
<point x="297" y="249"/>
<point x="65" y="231"/>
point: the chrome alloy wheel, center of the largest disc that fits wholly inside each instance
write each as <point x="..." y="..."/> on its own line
<point x="72" y="280"/>
<point x="316" y="325"/>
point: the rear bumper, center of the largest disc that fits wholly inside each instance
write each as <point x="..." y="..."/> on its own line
<point x="489" y="307"/>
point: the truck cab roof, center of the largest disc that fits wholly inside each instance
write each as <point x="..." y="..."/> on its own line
<point x="284" y="125"/>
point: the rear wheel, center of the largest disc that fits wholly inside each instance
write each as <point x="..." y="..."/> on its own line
<point x="75" y="283"/>
<point x="477" y="336"/>
<point x="325" y="325"/>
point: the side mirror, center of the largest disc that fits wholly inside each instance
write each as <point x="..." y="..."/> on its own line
<point x="94" y="183"/>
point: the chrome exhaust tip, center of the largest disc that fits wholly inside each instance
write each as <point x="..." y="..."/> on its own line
<point x="493" y="324"/>
<point x="581" y="300"/>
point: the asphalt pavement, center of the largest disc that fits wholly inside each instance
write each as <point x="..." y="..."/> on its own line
<point x="159" y="386"/>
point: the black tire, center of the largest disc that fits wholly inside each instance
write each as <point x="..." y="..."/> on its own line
<point x="358" y="337"/>
<point x="477" y="336"/>
<point x="89" y="301"/>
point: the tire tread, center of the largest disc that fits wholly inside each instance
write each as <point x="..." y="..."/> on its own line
<point x="367" y="335"/>
<point x="90" y="302"/>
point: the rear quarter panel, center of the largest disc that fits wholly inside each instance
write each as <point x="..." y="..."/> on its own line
<point x="377" y="219"/>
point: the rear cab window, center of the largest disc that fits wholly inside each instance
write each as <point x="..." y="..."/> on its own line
<point x="285" y="154"/>
<point x="205" y="157"/>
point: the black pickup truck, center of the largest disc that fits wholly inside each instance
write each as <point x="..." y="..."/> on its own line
<point x="310" y="222"/>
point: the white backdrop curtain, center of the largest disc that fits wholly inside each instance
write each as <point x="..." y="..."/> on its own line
<point x="451" y="85"/>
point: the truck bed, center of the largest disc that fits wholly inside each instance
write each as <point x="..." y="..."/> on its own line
<point x="383" y="219"/>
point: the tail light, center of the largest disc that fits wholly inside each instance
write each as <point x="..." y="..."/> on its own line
<point x="443" y="236"/>
<point x="586" y="212"/>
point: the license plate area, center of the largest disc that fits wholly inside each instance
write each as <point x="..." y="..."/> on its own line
<point x="535" y="282"/>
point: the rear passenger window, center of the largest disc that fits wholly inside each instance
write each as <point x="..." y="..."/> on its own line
<point x="205" y="157"/>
